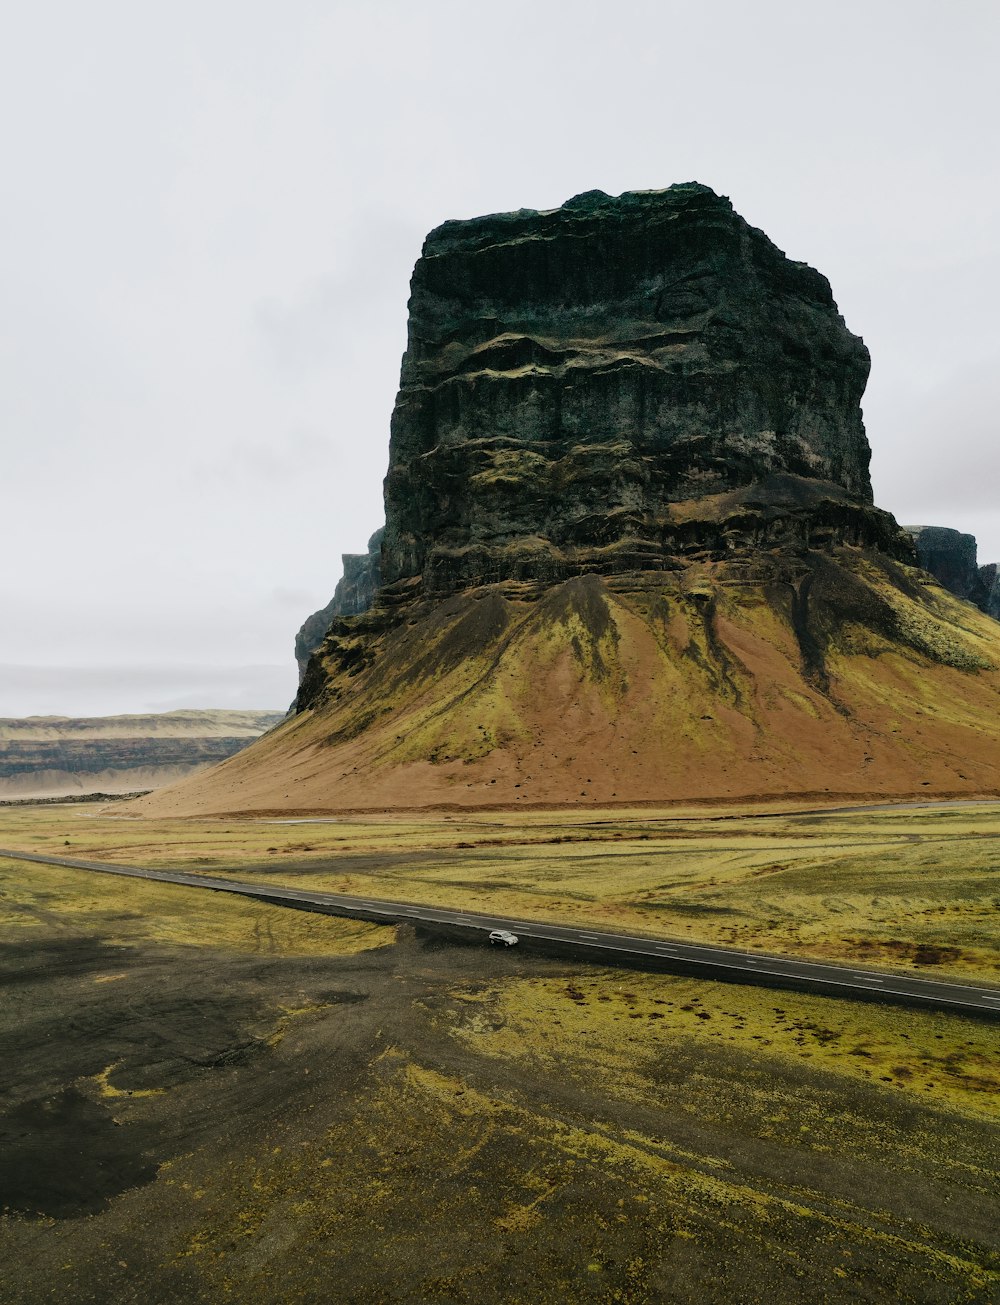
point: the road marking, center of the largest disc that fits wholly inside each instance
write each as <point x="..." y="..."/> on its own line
<point x="868" y="978"/>
<point x="587" y="935"/>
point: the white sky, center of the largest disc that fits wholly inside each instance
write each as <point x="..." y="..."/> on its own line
<point x="209" y="212"/>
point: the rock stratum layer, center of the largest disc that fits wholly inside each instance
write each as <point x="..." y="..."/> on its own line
<point x="630" y="551"/>
<point x="574" y="379"/>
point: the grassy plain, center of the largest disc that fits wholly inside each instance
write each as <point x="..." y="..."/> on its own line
<point x="79" y="905"/>
<point x="901" y="887"/>
<point x="211" y="1099"/>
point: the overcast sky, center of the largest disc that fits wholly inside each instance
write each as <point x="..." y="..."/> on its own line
<point x="209" y="212"/>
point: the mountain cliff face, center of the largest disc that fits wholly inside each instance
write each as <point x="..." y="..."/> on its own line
<point x="951" y="558"/>
<point x="630" y="550"/>
<point x="573" y="379"/>
<point x="354" y="594"/>
<point x="989" y="573"/>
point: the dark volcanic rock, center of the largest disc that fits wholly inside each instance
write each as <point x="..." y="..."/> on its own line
<point x="988" y="573"/>
<point x="950" y="556"/>
<point x="354" y="594"/>
<point x="574" y="379"/>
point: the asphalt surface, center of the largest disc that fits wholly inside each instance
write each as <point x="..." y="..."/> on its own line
<point x="594" y="945"/>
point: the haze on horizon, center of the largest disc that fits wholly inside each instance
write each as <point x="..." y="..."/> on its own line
<point x="209" y="218"/>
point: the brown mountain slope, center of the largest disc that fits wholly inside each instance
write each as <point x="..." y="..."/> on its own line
<point x="840" y="673"/>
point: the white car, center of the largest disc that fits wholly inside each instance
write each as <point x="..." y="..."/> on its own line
<point x="503" y="936"/>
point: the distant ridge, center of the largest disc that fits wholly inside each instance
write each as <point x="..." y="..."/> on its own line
<point x="51" y="756"/>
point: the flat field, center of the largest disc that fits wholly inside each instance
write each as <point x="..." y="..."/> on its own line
<point x="209" y="1099"/>
<point x="913" y="888"/>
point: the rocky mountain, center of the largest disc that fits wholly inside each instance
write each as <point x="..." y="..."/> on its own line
<point x="54" y="756"/>
<point x="354" y="594"/>
<point x="630" y="550"/>
<point x="989" y="573"/>
<point x="951" y="558"/>
<point x="573" y="377"/>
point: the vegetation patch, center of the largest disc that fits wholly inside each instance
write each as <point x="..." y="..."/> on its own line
<point x="135" y="913"/>
<point x="901" y="888"/>
<point x="951" y="1060"/>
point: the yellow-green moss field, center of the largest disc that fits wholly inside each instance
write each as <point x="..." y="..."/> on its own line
<point x="587" y="1022"/>
<point x="132" y="913"/>
<point x="900" y="887"/>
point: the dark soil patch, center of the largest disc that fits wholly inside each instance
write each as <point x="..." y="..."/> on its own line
<point x="66" y="1155"/>
<point x="283" y="866"/>
<point x="48" y="958"/>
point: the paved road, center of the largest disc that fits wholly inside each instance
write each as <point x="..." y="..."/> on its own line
<point x="597" y="946"/>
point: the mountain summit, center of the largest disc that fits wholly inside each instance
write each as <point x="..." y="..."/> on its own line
<point x="572" y="376"/>
<point x="630" y="550"/>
